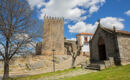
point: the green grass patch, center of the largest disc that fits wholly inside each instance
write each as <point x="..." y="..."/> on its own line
<point x="38" y="76"/>
<point x="114" y="73"/>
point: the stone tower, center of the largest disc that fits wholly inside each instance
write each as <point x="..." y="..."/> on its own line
<point x="53" y="35"/>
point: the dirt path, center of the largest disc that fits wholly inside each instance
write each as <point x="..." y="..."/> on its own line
<point x="68" y="74"/>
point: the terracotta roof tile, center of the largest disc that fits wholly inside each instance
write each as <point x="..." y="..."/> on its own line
<point x="83" y="33"/>
<point x="124" y="32"/>
<point x="117" y="31"/>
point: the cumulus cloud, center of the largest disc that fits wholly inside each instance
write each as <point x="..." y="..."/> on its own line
<point x="26" y="37"/>
<point x="127" y="12"/>
<point x="36" y="3"/>
<point x="82" y="27"/>
<point x="93" y="9"/>
<point x="73" y="39"/>
<point x="108" y="22"/>
<point x="112" y="21"/>
<point x="69" y="9"/>
<point x="21" y="36"/>
<point x="30" y="45"/>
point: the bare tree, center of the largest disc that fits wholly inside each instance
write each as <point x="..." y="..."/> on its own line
<point x="15" y="30"/>
<point x="74" y="49"/>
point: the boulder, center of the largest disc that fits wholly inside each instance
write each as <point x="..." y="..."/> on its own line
<point x="35" y="65"/>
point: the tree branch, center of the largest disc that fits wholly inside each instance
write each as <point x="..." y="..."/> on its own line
<point x="2" y="55"/>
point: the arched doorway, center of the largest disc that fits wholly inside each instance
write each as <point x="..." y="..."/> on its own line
<point x="102" y="49"/>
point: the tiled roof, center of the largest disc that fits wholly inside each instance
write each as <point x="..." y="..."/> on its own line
<point x="124" y="32"/>
<point x="83" y="33"/>
<point x="117" y="31"/>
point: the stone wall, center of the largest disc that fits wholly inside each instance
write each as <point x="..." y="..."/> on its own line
<point x="79" y="40"/>
<point x="31" y="65"/>
<point x="110" y="45"/>
<point x="53" y="35"/>
<point x="67" y="43"/>
<point x="87" y="54"/>
<point x="38" y="48"/>
<point x="124" y="48"/>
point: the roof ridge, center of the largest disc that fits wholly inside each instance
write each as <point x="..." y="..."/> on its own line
<point x="117" y="31"/>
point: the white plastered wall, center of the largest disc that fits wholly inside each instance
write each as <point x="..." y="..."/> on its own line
<point x="85" y="47"/>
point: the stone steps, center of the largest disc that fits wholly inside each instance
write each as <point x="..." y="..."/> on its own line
<point x="93" y="67"/>
<point x="100" y="65"/>
<point x="96" y="66"/>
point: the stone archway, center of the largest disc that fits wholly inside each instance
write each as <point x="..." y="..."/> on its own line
<point x="102" y="49"/>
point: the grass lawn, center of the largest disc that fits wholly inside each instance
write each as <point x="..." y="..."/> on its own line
<point x="38" y="76"/>
<point x="114" y="73"/>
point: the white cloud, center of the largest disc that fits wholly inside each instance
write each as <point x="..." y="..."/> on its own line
<point x="69" y="9"/>
<point x="81" y="27"/>
<point x="36" y="3"/>
<point x="30" y="45"/>
<point x="127" y="12"/>
<point x="108" y="22"/>
<point x="112" y="21"/>
<point x="73" y="39"/>
<point x="21" y="36"/>
<point x="93" y="9"/>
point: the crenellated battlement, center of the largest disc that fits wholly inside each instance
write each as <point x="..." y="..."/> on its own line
<point x="55" y="19"/>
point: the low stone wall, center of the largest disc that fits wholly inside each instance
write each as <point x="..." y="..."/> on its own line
<point x="40" y="64"/>
<point x="107" y="63"/>
<point x="124" y="49"/>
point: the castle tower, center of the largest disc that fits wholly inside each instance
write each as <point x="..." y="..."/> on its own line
<point x="53" y="35"/>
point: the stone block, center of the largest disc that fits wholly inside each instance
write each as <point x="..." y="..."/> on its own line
<point x="111" y="60"/>
<point x="107" y="63"/>
<point x="102" y="66"/>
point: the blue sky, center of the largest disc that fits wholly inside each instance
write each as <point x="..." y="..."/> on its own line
<point x="82" y="15"/>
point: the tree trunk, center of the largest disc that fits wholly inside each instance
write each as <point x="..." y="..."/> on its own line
<point x="6" y="70"/>
<point x="73" y="62"/>
<point x="6" y="61"/>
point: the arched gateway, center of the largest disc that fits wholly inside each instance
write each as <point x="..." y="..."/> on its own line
<point x="101" y="49"/>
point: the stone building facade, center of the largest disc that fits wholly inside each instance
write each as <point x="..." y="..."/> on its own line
<point x="39" y="47"/>
<point x="108" y="43"/>
<point x="53" y="35"/>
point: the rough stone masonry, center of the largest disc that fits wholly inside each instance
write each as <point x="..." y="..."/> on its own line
<point x="108" y="43"/>
<point x="53" y="35"/>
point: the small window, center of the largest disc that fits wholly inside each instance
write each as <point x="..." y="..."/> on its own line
<point x="85" y="39"/>
<point x="90" y="37"/>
